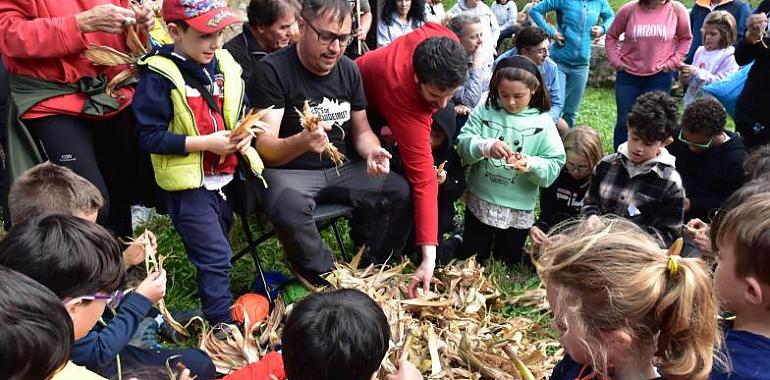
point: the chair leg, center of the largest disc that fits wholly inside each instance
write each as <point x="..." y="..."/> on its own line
<point x="338" y="236"/>
<point x="252" y="246"/>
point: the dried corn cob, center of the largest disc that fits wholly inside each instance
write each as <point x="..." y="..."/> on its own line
<point x="310" y="122"/>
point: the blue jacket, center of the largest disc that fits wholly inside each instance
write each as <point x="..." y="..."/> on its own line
<point x="574" y="19"/>
<point x="748" y="355"/>
<point x="103" y="343"/>
<point x="701" y="9"/>
<point x="550" y="72"/>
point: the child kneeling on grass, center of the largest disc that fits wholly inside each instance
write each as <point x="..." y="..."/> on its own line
<point x="47" y="189"/>
<point x="81" y="262"/>
<point x="626" y="309"/>
<point x="512" y="148"/>
<point x="640" y="181"/>
<point x="188" y="101"/>
<point x="742" y="279"/>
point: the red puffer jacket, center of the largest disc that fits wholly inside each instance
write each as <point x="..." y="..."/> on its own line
<point x="41" y="39"/>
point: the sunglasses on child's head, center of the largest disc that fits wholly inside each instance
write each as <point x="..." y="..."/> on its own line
<point x="697" y="145"/>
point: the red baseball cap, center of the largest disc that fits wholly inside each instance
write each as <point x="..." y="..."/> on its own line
<point x="205" y="16"/>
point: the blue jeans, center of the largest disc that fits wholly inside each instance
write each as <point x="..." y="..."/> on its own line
<point x="572" y="80"/>
<point x="628" y="87"/>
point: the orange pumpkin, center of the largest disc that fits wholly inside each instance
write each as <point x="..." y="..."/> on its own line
<point x="256" y="306"/>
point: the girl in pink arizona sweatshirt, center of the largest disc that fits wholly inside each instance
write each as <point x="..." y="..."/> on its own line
<point x="657" y="38"/>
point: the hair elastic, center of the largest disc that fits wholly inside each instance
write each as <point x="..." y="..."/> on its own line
<point x="674" y="255"/>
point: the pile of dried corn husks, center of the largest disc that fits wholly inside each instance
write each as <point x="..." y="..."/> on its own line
<point x="453" y="332"/>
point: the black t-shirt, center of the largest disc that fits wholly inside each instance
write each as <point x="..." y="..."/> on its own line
<point x="282" y="81"/>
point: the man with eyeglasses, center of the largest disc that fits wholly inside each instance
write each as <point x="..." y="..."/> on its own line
<point x="708" y="157"/>
<point x="406" y="82"/>
<point x="298" y="172"/>
<point x="533" y="43"/>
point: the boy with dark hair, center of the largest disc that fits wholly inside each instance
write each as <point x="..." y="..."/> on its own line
<point x="81" y="262"/>
<point x="708" y="157"/>
<point x="640" y="181"/>
<point x="438" y="69"/>
<point x="35" y="329"/>
<point x="187" y="103"/>
<point x="338" y="335"/>
<point x="742" y="280"/>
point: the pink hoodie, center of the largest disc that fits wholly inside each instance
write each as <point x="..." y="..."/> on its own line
<point x="654" y="38"/>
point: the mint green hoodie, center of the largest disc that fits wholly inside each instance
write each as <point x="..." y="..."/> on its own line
<point x="529" y="132"/>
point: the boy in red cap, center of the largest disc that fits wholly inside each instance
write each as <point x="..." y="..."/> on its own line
<point x="188" y="100"/>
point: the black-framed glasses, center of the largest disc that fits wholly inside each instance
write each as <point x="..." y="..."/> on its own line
<point x="112" y="299"/>
<point x="326" y="38"/>
<point x="690" y="143"/>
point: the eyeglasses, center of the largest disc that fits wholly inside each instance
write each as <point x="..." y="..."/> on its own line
<point x="112" y="299"/>
<point x="326" y="38"/>
<point x="690" y="143"/>
<point x="542" y="51"/>
<point x="577" y="168"/>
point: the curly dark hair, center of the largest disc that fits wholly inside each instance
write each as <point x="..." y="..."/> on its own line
<point x="440" y="61"/>
<point x="654" y="116"/>
<point x="416" y="14"/>
<point x="705" y="117"/>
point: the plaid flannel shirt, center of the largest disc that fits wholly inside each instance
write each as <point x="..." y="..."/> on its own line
<point x="653" y="197"/>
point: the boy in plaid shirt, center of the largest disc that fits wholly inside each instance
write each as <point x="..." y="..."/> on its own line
<point x="640" y="182"/>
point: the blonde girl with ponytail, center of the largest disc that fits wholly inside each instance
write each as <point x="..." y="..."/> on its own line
<point x="624" y="308"/>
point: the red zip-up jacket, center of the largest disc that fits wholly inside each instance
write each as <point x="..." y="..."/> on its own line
<point x="391" y="90"/>
<point x="41" y="39"/>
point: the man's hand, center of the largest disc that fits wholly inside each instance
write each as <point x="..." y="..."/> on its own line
<point x="424" y="273"/>
<point x="378" y="162"/>
<point x="596" y="31"/>
<point x="153" y="287"/>
<point x="108" y="18"/>
<point x="699" y="232"/>
<point x="462" y="110"/>
<point x="441" y="176"/>
<point x="756" y="27"/>
<point x="316" y="141"/>
<point x="537" y="235"/>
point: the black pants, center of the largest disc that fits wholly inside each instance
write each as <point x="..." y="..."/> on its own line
<point x="480" y="239"/>
<point x="381" y="220"/>
<point x="102" y="152"/>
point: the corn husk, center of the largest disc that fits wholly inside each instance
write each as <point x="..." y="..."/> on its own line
<point x="153" y="262"/>
<point x="251" y="122"/>
<point x="310" y="122"/>
<point x="455" y="331"/>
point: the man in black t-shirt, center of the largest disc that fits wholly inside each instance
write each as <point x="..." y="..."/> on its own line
<point x="299" y="174"/>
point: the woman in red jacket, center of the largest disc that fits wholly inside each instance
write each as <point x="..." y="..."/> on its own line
<point x="61" y="96"/>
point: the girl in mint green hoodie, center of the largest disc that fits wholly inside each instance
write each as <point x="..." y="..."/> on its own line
<point x="510" y="148"/>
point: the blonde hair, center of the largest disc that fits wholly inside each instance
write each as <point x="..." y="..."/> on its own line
<point x="747" y="229"/>
<point x="616" y="278"/>
<point x="725" y="23"/>
<point x="585" y="141"/>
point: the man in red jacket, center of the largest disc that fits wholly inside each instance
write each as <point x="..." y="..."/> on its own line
<point x="405" y="83"/>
